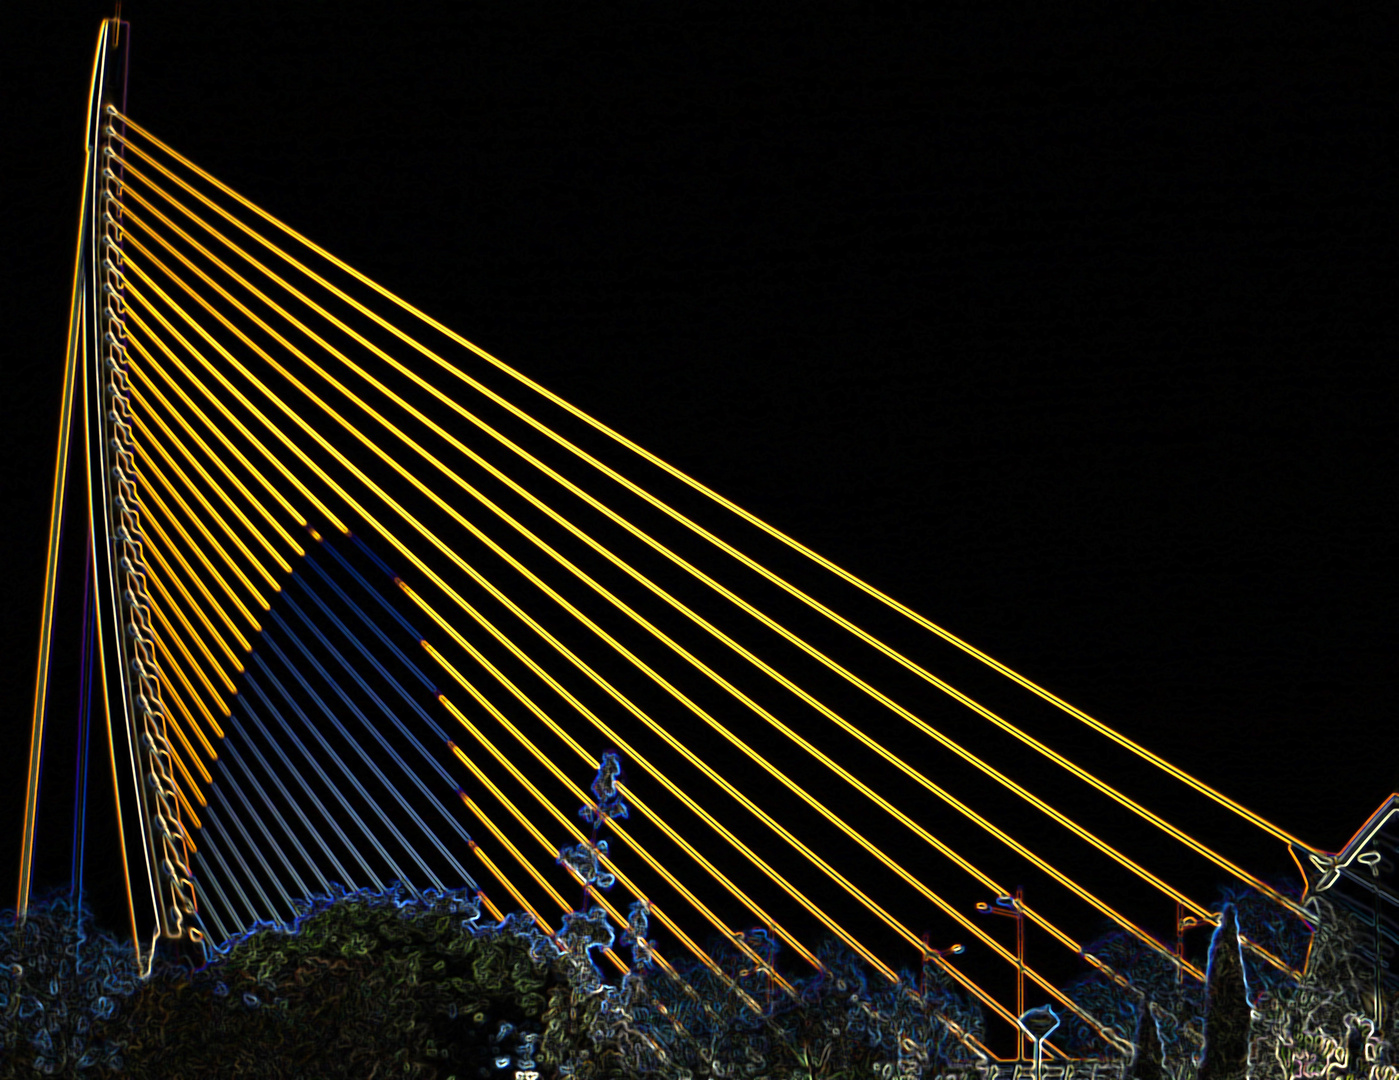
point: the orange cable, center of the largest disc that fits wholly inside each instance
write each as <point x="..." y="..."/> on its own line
<point x="150" y="521"/>
<point x="216" y="402"/>
<point x="598" y="425"/>
<point x="151" y="549"/>
<point x="621" y="876"/>
<point x="495" y="911"/>
<point x="292" y="446"/>
<point x="1059" y="817"/>
<point x="168" y="721"/>
<point x="296" y="418"/>
<point x="634" y="755"/>
<point x="149" y="437"/>
<point x="169" y="631"/>
<point x="509" y="886"/>
<point x="217" y="460"/>
<point x="144" y="461"/>
<point x="617" y="961"/>
<point x="174" y="755"/>
<point x="538" y="836"/>
<point x="1063" y="879"/>
<point x="168" y="663"/>
<point x="154" y="578"/>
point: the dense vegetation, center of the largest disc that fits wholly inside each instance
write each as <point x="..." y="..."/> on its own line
<point x="392" y="985"/>
<point x="380" y="985"/>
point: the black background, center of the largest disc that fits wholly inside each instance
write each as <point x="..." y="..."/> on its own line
<point x="1073" y="335"/>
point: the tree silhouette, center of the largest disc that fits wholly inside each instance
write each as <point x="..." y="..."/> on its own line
<point x="1228" y="1013"/>
<point x="1146" y="1065"/>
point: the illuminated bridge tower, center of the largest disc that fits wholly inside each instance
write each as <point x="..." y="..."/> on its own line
<point x="96" y="422"/>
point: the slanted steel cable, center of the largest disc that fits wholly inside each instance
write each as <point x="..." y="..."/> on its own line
<point x="1000" y="834"/>
<point x="946" y="688"/>
<point x="1078" y="714"/>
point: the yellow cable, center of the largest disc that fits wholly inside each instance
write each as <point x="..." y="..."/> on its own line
<point x="144" y="462"/>
<point x="168" y="664"/>
<point x="364" y="479"/>
<point x="652" y="770"/>
<point x="1060" y="818"/>
<point x="149" y="520"/>
<point x="819" y="755"/>
<point x="131" y="288"/>
<point x="177" y="702"/>
<point x="481" y="895"/>
<point x="339" y="490"/>
<point x="102" y="671"/>
<point x="217" y="460"/>
<point x="713" y="675"/>
<point x="699" y="953"/>
<point x="390" y="426"/>
<point x="797" y="789"/>
<point x="523" y="820"/>
<point x="563" y="904"/>
<point x="1073" y="886"/>
<point x="179" y="614"/>
<point x="495" y="911"/>
<point x="684" y="751"/>
<point x="529" y="867"/>
<point x="145" y="409"/>
<point x="193" y="817"/>
<point x="509" y="886"/>
<point x="245" y="372"/>
<point x="621" y="876"/>
<point x="325" y="445"/>
<point x="72" y="373"/>
<point x="194" y="787"/>
<point x="665" y="965"/>
<point x="379" y="491"/>
<point x="1275" y="961"/>
<point x="1082" y="893"/>
<point x="152" y="550"/>
<point x="737" y="939"/>
<point x="601" y="899"/>
<point x="1103" y="729"/>
<point x="874" y="642"/>
<point x="149" y="437"/>
<point x="641" y="850"/>
<point x="189" y="779"/>
<point x="631" y="752"/>
<point x="617" y="961"/>
<point x="169" y="632"/>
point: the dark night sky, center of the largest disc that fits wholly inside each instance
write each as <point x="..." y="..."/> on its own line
<point x="1070" y="335"/>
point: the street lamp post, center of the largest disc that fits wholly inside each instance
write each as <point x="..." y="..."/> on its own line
<point x="1012" y="908"/>
<point x="1372" y="860"/>
<point x="1039" y="1024"/>
<point x="929" y="954"/>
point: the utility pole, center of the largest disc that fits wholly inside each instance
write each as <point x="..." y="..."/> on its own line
<point x="1012" y="907"/>
<point x="1372" y="860"/>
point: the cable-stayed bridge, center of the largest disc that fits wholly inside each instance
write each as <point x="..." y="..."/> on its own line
<point x="358" y="615"/>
